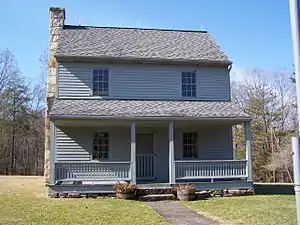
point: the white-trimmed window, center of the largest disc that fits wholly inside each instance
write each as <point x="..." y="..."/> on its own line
<point x="188" y="80"/>
<point x="190" y="144"/>
<point x="100" y="145"/>
<point x="100" y="81"/>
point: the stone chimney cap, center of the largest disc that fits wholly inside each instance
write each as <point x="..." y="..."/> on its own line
<point x="56" y="9"/>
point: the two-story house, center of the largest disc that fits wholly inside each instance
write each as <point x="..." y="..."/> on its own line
<point x="140" y="106"/>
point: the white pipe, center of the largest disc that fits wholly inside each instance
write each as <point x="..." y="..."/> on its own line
<point x="296" y="159"/>
<point x="294" y="14"/>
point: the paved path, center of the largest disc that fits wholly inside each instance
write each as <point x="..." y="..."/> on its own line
<point x="175" y="213"/>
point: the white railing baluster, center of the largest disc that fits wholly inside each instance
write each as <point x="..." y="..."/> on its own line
<point x="145" y="166"/>
<point x="92" y="171"/>
<point x="201" y="169"/>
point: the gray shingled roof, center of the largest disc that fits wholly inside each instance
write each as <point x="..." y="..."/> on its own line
<point x="135" y="43"/>
<point x="145" y="108"/>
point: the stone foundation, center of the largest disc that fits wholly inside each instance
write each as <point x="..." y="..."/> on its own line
<point x="158" y="195"/>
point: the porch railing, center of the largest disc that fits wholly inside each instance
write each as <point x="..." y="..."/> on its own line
<point x="195" y="169"/>
<point x="145" y="167"/>
<point x="92" y="171"/>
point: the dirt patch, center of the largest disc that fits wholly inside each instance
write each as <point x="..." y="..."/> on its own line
<point x="23" y="184"/>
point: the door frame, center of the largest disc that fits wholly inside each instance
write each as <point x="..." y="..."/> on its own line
<point x="153" y="133"/>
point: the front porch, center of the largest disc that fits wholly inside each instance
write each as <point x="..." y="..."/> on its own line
<point x="145" y="159"/>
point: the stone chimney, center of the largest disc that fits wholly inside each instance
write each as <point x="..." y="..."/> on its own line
<point x="57" y="20"/>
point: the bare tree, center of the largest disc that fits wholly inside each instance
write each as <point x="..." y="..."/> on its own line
<point x="21" y="120"/>
<point x="8" y="68"/>
<point x="268" y="98"/>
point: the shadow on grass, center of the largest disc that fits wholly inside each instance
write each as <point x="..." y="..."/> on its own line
<point x="274" y="189"/>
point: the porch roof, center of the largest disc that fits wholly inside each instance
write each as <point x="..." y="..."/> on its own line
<point x="127" y="109"/>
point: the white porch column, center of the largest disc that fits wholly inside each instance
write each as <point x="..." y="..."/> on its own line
<point x="52" y="151"/>
<point x="133" y="153"/>
<point x="247" y="126"/>
<point x="171" y="154"/>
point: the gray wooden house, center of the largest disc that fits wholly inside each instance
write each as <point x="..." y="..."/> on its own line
<point x="140" y="106"/>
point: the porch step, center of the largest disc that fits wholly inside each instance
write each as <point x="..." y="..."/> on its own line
<point x="157" y="197"/>
<point x="154" y="185"/>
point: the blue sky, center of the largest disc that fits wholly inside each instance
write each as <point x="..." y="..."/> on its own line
<point x="254" y="34"/>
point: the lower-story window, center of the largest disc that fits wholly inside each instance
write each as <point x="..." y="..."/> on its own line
<point x="190" y="144"/>
<point x="100" y="145"/>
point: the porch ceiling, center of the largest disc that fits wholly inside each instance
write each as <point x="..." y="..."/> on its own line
<point x="146" y="109"/>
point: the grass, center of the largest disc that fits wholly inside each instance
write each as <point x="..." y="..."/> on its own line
<point x="257" y="209"/>
<point x="24" y="201"/>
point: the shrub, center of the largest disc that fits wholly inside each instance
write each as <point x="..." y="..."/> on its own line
<point x="125" y="188"/>
<point x="185" y="187"/>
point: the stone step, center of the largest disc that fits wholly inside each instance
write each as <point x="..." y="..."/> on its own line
<point x="157" y="197"/>
<point x="154" y="191"/>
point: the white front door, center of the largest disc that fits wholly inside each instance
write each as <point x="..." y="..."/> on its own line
<point x="145" y="156"/>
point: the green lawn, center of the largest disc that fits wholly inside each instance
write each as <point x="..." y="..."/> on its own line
<point x="258" y="209"/>
<point x="23" y="201"/>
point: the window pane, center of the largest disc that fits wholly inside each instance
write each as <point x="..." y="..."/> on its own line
<point x="193" y="94"/>
<point x="100" y="81"/>
<point x="95" y="72"/>
<point x="105" y="86"/>
<point x="190" y="144"/>
<point x="104" y="148"/>
<point x="95" y="86"/>
<point x="185" y="153"/>
<point x="95" y="77"/>
<point x="194" y="78"/>
<point x="188" y="84"/>
<point x="95" y="155"/>
<point x="189" y="80"/>
<point x="105" y="76"/>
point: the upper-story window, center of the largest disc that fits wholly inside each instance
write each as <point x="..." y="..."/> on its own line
<point x="100" y="81"/>
<point x="188" y="84"/>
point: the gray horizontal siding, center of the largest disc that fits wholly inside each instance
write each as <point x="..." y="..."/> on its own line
<point x="74" y="80"/>
<point x="72" y="145"/>
<point x="214" y="143"/>
<point x="75" y="143"/>
<point x="142" y="81"/>
<point x="213" y="84"/>
<point x="145" y="82"/>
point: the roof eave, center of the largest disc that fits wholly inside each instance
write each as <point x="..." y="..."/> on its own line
<point x="144" y="60"/>
<point x="60" y="116"/>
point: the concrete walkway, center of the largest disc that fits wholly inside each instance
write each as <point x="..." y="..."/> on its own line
<point x="175" y="213"/>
